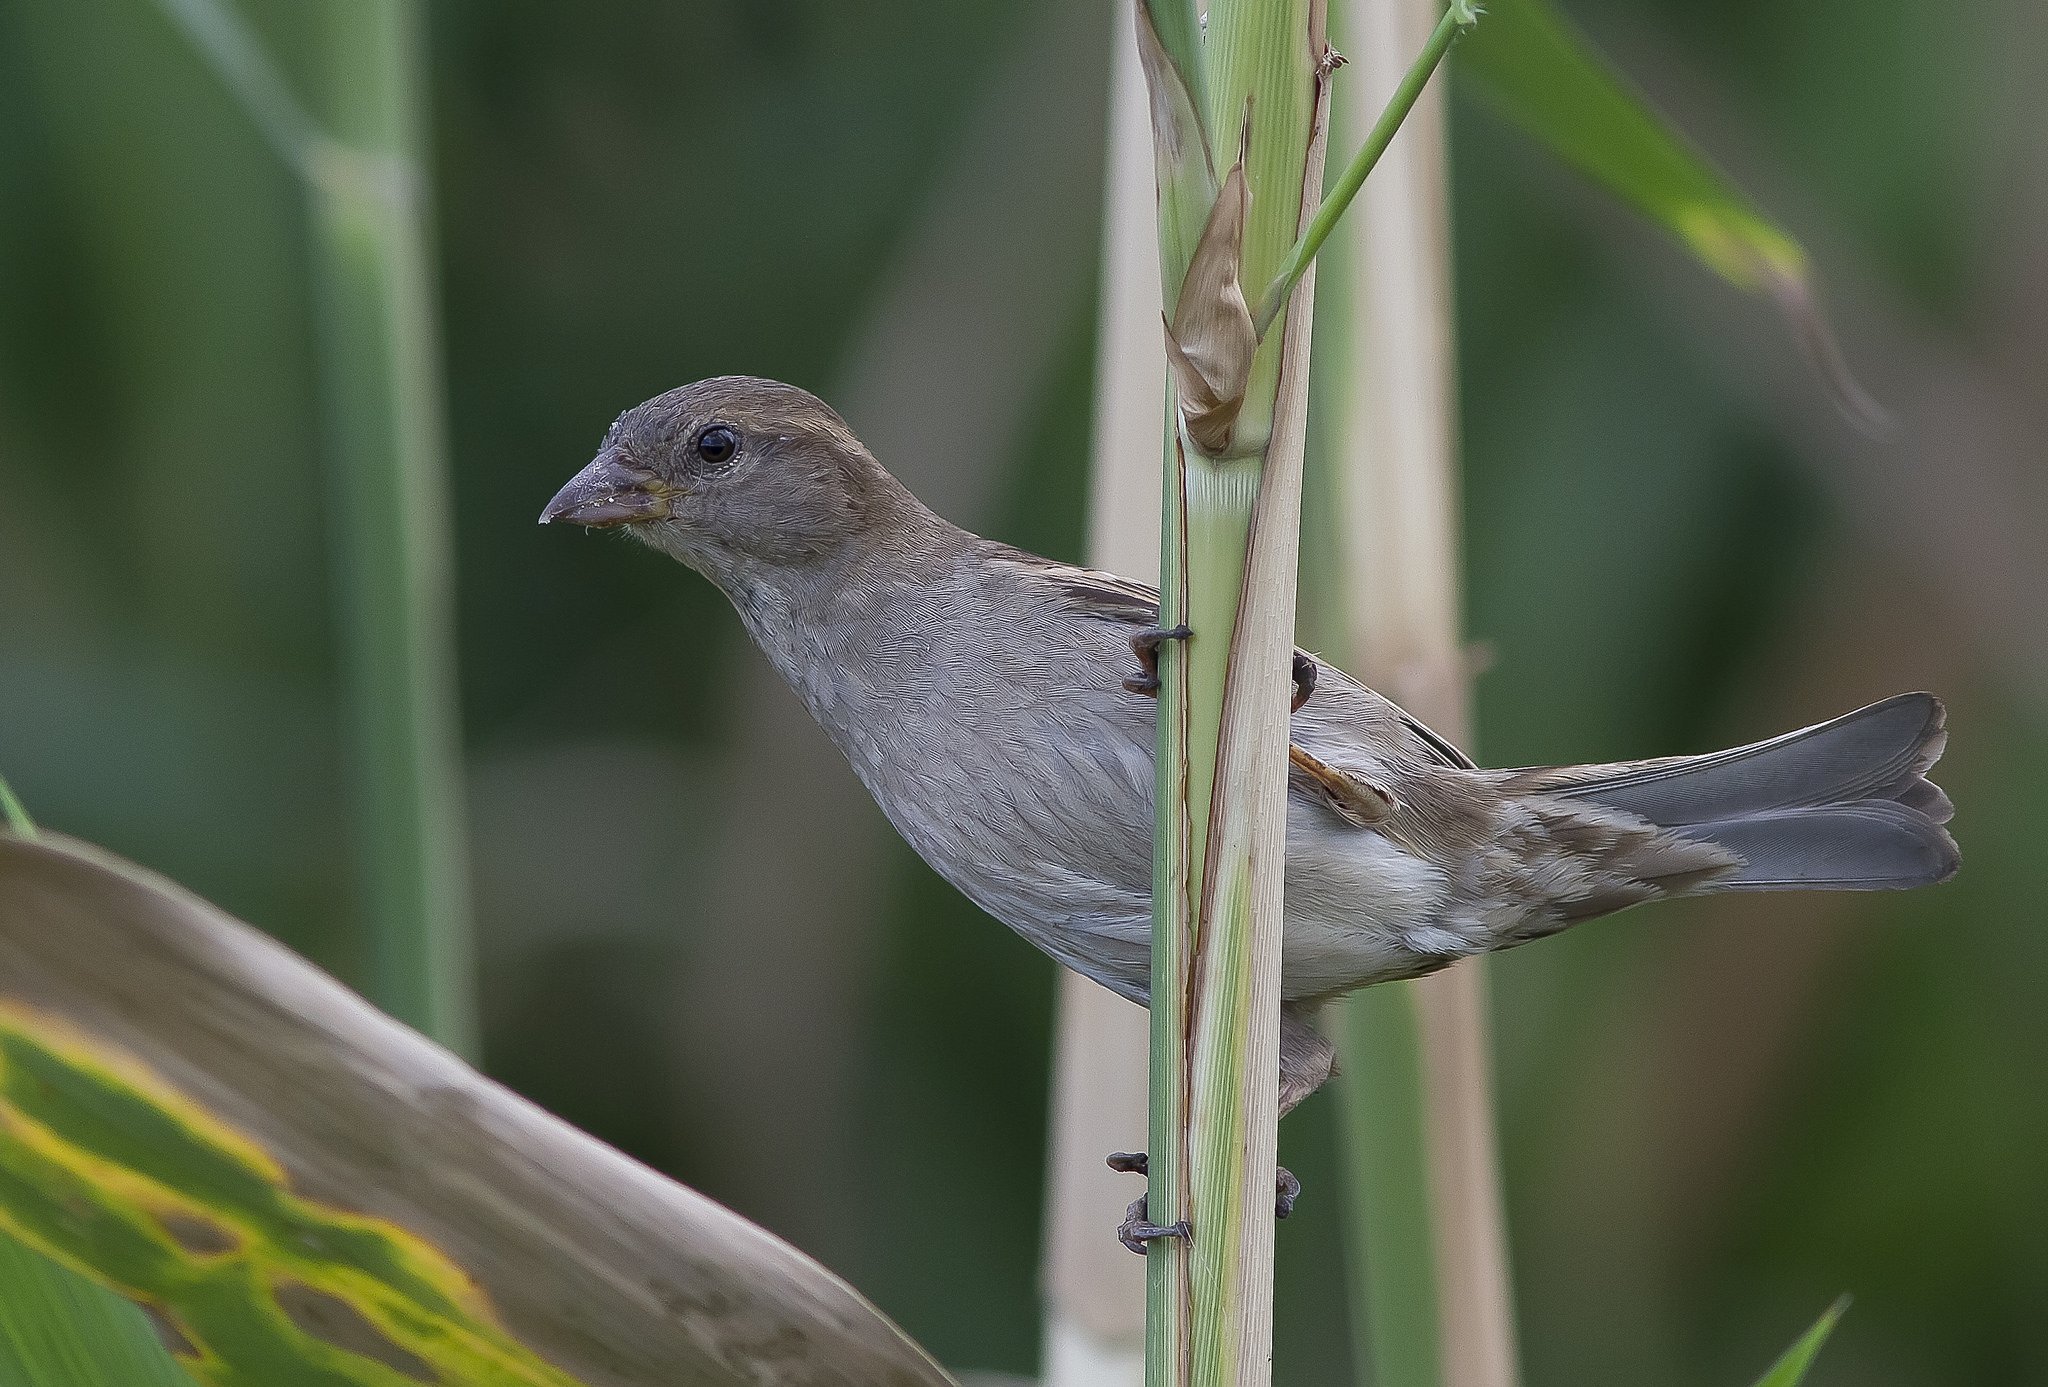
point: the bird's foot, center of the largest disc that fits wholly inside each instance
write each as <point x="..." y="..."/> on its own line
<point x="1304" y="680"/>
<point x="1135" y="1231"/>
<point x="1145" y="645"/>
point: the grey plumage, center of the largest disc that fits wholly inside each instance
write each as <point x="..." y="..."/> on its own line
<point x="978" y="693"/>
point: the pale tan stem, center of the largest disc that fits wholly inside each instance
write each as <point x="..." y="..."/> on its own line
<point x="1474" y="1289"/>
<point x="1400" y="528"/>
<point x="1094" y="1289"/>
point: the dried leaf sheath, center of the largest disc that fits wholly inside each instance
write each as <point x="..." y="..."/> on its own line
<point x="1210" y="342"/>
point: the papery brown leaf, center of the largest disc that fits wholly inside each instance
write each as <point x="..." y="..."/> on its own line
<point x="1210" y="342"/>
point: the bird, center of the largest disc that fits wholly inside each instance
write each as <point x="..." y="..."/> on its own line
<point x="1001" y="708"/>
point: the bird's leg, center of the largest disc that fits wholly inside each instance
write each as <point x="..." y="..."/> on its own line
<point x="1304" y="680"/>
<point x="1145" y="645"/>
<point x="1136" y="1230"/>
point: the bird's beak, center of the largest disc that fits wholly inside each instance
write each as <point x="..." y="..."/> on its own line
<point x="611" y="491"/>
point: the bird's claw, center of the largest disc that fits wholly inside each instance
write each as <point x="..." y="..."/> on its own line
<point x="1287" y="1190"/>
<point x="1304" y="680"/>
<point x="1135" y="1231"/>
<point x="1145" y="645"/>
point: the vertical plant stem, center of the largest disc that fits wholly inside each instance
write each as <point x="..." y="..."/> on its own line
<point x="1227" y="570"/>
<point x="1094" y="1290"/>
<point x="1397" y="1311"/>
<point x="1168" y="40"/>
<point x="1427" y="1245"/>
<point x="1243" y="520"/>
<point x="1166" y="1185"/>
<point x="1477" y="1331"/>
<point x="361" y="153"/>
<point x="382" y="378"/>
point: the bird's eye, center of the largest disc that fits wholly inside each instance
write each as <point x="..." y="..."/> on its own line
<point x="716" y="445"/>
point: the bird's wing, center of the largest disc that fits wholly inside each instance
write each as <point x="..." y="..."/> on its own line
<point x="1346" y="794"/>
<point x="1106" y="597"/>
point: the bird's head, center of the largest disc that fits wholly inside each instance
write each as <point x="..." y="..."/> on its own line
<point x="732" y="474"/>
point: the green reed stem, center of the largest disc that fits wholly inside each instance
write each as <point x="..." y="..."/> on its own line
<point x="1456" y="20"/>
<point x="382" y="376"/>
<point x="360" y="148"/>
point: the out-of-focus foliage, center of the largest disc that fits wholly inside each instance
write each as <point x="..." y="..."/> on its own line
<point x="159" y="1197"/>
<point x="1714" y="1115"/>
<point x="57" y="1329"/>
<point x="1530" y="60"/>
<point x="1542" y="73"/>
<point x="1790" y="1369"/>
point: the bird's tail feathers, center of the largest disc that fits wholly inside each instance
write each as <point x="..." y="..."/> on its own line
<point x="1844" y="805"/>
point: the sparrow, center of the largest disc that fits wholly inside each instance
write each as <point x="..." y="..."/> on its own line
<point x="1000" y="707"/>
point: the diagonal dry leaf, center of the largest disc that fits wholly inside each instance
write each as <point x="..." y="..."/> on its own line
<point x="292" y="1182"/>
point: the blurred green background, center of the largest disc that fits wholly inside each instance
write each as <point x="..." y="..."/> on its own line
<point x="697" y="937"/>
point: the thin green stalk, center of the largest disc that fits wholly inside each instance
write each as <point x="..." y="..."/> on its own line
<point x="225" y="41"/>
<point x="1168" y="37"/>
<point x="1389" y="1243"/>
<point x="1232" y="515"/>
<point x="1460" y="17"/>
<point x="360" y="152"/>
<point x="18" y="821"/>
<point x="1166" y="1186"/>
<point x="382" y="373"/>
